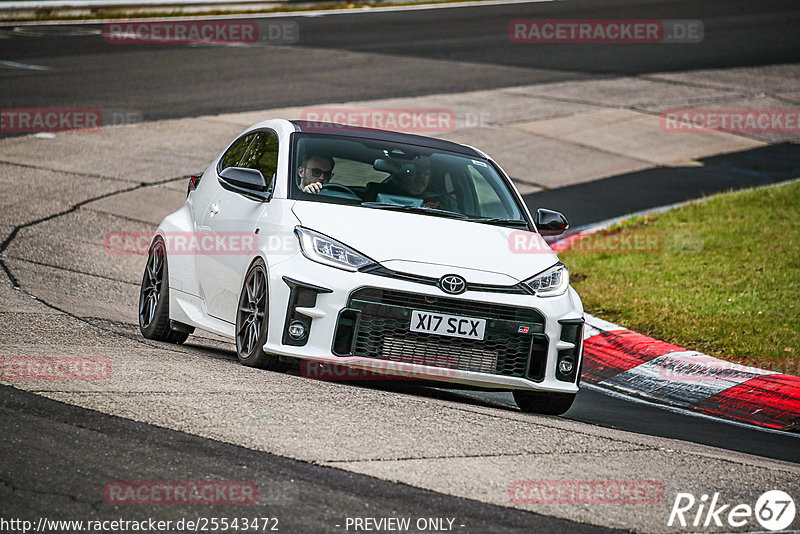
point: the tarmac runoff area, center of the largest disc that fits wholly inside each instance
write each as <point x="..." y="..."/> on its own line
<point x="66" y="191"/>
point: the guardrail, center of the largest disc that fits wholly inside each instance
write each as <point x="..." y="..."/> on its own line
<point x="54" y="9"/>
<point x="89" y="4"/>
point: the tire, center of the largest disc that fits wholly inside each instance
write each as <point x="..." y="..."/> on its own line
<point x="252" y="320"/>
<point x="154" y="320"/>
<point x="544" y="403"/>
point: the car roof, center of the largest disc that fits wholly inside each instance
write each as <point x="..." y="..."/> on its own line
<point x="342" y="130"/>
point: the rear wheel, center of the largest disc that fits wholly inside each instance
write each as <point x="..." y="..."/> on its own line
<point x="154" y="320"/>
<point x="543" y="403"/>
<point x="252" y="320"/>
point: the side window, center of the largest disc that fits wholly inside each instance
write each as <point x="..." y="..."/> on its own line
<point x="262" y="154"/>
<point x="233" y="156"/>
<point x="258" y="150"/>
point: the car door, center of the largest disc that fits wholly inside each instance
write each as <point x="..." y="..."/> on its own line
<point x="229" y="224"/>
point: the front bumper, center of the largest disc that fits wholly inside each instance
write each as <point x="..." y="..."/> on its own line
<point x="361" y="321"/>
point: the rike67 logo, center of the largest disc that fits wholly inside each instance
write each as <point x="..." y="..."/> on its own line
<point x="774" y="510"/>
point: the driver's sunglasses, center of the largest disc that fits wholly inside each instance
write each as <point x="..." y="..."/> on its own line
<point x="317" y="173"/>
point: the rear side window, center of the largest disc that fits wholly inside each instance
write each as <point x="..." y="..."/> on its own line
<point x="262" y="154"/>
<point x="257" y="150"/>
<point x="234" y="154"/>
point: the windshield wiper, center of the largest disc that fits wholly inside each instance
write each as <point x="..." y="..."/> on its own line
<point x="499" y="220"/>
<point x="516" y="223"/>
<point x="415" y="209"/>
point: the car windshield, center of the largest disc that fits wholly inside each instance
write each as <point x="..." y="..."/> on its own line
<point x="395" y="176"/>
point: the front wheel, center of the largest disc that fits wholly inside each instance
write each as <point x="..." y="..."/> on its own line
<point x="154" y="320"/>
<point x="543" y="403"/>
<point x="252" y="320"/>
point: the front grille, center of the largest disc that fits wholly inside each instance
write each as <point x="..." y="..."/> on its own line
<point x="380" y="270"/>
<point x="390" y="297"/>
<point x="376" y="325"/>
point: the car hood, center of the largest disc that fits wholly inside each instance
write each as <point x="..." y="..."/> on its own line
<point x="429" y="245"/>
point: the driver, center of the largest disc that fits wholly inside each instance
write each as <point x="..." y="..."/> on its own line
<point x="314" y="172"/>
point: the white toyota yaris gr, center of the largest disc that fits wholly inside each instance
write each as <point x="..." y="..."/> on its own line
<point x="372" y="250"/>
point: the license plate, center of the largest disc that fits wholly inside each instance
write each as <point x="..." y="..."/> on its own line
<point x="447" y="325"/>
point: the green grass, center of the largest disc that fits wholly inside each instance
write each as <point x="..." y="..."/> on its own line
<point x="721" y="276"/>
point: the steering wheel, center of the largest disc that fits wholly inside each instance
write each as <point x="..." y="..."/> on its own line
<point x="339" y="188"/>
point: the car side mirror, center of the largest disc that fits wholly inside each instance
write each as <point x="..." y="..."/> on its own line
<point x="550" y="223"/>
<point x="248" y="182"/>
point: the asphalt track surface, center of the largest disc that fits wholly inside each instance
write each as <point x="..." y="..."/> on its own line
<point x="592" y="202"/>
<point x="67" y="441"/>
<point x="457" y="50"/>
<point x="349" y="57"/>
<point x="593" y="405"/>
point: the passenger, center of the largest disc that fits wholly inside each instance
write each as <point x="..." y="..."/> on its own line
<point x="416" y="181"/>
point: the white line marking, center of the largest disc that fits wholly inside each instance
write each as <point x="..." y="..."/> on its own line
<point x="15" y="65"/>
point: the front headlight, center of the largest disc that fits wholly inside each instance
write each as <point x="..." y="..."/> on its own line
<point x="322" y="249"/>
<point x="550" y="283"/>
